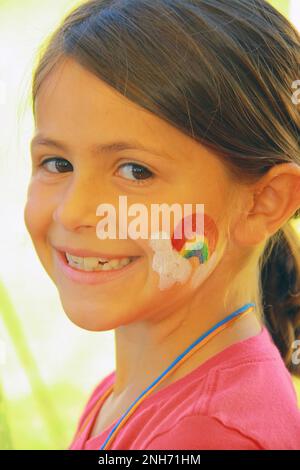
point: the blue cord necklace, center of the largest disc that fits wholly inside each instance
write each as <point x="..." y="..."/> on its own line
<point x="203" y="339"/>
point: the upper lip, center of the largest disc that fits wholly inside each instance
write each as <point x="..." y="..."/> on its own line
<point x="89" y="253"/>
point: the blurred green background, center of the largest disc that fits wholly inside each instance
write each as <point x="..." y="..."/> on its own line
<point x="48" y="366"/>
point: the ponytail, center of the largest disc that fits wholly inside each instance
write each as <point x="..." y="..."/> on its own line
<point x="280" y="283"/>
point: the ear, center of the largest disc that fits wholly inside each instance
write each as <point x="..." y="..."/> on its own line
<point x="270" y="203"/>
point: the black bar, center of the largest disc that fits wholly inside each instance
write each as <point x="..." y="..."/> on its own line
<point x="134" y="459"/>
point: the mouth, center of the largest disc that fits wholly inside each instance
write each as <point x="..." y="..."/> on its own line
<point x="97" y="264"/>
<point x="93" y="270"/>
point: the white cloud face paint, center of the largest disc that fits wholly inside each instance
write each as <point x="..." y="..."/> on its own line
<point x="170" y="265"/>
<point x="172" y="255"/>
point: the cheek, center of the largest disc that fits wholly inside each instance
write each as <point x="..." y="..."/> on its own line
<point x="180" y="259"/>
<point x="203" y="251"/>
<point x="170" y="266"/>
<point x="36" y="212"/>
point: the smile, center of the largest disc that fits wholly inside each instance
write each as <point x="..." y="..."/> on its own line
<point x="97" y="264"/>
<point x="92" y="270"/>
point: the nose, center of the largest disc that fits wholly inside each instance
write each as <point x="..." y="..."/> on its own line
<point x="77" y="204"/>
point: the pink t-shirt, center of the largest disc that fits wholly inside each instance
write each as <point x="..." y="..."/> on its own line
<point x="241" y="398"/>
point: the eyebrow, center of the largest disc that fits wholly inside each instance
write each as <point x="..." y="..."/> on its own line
<point x="108" y="147"/>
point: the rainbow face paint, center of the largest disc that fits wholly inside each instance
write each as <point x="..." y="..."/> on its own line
<point x="203" y="243"/>
<point x="173" y="257"/>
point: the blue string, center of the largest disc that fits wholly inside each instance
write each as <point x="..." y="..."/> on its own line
<point x="204" y="335"/>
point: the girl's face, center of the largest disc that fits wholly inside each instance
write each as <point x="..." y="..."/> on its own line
<point x="75" y="114"/>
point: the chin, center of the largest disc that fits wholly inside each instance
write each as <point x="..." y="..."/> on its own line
<point x="87" y="317"/>
<point x="101" y="317"/>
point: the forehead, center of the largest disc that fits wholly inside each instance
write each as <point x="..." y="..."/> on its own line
<point x="73" y="104"/>
<point x="76" y="107"/>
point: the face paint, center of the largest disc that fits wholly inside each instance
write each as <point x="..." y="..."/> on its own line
<point x="169" y="264"/>
<point x="202" y="246"/>
<point x="171" y="258"/>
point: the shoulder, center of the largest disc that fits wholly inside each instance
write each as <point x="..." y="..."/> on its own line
<point x="257" y="397"/>
<point x="247" y="401"/>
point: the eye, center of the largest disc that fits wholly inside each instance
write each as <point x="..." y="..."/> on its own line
<point x="135" y="172"/>
<point x="56" y="165"/>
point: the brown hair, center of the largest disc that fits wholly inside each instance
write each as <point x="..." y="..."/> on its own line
<point x="221" y="71"/>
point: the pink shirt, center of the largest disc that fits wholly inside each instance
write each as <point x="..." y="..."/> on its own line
<point x="241" y="398"/>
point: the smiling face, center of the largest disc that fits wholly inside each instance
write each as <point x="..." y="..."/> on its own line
<point x="76" y="115"/>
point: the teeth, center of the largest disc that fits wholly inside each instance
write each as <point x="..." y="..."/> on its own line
<point x="114" y="263"/>
<point x="96" y="264"/>
<point x="90" y="263"/>
<point x="124" y="261"/>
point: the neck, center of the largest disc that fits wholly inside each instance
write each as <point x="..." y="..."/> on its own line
<point x="145" y="349"/>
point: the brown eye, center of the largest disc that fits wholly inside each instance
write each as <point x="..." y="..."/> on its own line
<point x="135" y="172"/>
<point x="56" y="165"/>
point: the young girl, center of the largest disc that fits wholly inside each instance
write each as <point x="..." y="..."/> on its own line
<point x="176" y="102"/>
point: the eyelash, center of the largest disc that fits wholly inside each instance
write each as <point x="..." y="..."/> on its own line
<point x="132" y="164"/>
